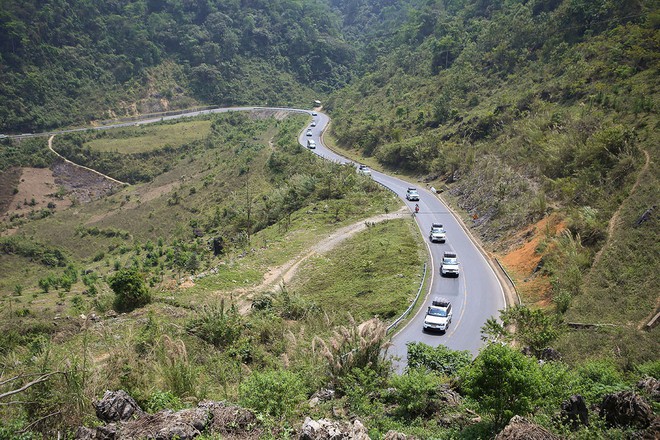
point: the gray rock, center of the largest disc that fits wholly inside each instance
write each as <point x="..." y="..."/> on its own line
<point x="520" y="428"/>
<point x="324" y="429"/>
<point x="626" y="408"/>
<point x="394" y="435"/>
<point x="116" y="406"/>
<point x="650" y="386"/>
<point x="575" y="411"/>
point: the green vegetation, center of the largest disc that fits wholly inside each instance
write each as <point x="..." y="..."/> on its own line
<point x="516" y="110"/>
<point x="107" y="60"/>
<point x="130" y="290"/>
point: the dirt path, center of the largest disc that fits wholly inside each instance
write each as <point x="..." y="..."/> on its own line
<point x="50" y="147"/>
<point x="276" y="276"/>
<point x="614" y="221"/>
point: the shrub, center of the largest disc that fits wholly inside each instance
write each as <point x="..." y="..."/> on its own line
<point x="130" y="290"/>
<point x="415" y="393"/>
<point x="217" y="326"/>
<point x="159" y="400"/>
<point x="504" y="382"/>
<point x="276" y="393"/>
<point x="438" y="359"/>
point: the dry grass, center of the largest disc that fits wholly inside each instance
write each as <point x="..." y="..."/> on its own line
<point x="145" y="138"/>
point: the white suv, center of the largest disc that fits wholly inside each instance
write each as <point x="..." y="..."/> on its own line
<point x="449" y="265"/>
<point x="412" y="194"/>
<point x="438" y="315"/>
<point x="437" y="233"/>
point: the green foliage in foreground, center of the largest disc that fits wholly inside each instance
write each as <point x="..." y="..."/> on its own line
<point x="275" y="393"/>
<point x="504" y="382"/>
<point x="440" y="360"/>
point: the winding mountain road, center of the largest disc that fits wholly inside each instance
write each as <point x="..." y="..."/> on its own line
<point x="476" y="295"/>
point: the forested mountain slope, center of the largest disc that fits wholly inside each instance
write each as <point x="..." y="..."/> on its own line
<point x="71" y="62"/>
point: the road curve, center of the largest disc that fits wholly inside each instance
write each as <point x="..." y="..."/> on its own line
<point x="476" y="294"/>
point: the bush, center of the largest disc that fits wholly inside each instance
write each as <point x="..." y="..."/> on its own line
<point x="130" y="290"/>
<point x="163" y="400"/>
<point x="276" y="393"/>
<point x="438" y="359"/>
<point x="415" y="393"/>
<point x="217" y="326"/>
<point x="504" y="382"/>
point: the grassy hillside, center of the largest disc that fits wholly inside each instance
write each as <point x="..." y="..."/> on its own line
<point x="211" y="276"/>
<point x="245" y="181"/>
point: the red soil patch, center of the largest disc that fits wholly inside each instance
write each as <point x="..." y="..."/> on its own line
<point x="520" y="262"/>
<point x="35" y="189"/>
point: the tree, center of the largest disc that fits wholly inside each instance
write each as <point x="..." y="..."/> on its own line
<point x="533" y="328"/>
<point x="130" y="290"/>
<point x="504" y="382"/>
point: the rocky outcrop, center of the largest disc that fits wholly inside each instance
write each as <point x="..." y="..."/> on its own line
<point x="393" y="435"/>
<point x="116" y="406"/>
<point x="324" y="429"/>
<point x="231" y="422"/>
<point x="321" y="396"/>
<point x="626" y="408"/>
<point x="650" y="386"/>
<point x="574" y="411"/>
<point x="520" y="428"/>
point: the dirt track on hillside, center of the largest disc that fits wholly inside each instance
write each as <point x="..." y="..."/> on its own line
<point x="283" y="274"/>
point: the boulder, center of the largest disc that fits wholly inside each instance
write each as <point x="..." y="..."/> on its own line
<point x="393" y="435"/>
<point x="448" y="396"/>
<point x="626" y="408"/>
<point x="575" y="411"/>
<point x="324" y="429"/>
<point x="232" y="422"/>
<point x="651" y="386"/>
<point x="520" y="428"/>
<point x="321" y="396"/>
<point x="116" y="406"/>
<point x="550" y="354"/>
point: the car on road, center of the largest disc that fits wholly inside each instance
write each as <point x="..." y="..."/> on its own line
<point x="449" y="265"/>
<point x="438" y="315"/>
<point x="438" y="233"/>
<point x="314" y="114"/>
<point x="313" y="124"/>
<point x="363" y="169"/>
<point x="311" y="144"/>
<point x="412" y="194"/>
<point x="309" y="132"/>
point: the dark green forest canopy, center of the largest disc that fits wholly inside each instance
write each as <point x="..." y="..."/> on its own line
<point x="69" y="62"/>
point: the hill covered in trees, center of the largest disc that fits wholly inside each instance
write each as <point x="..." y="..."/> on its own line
<point x="73" y="62"/>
